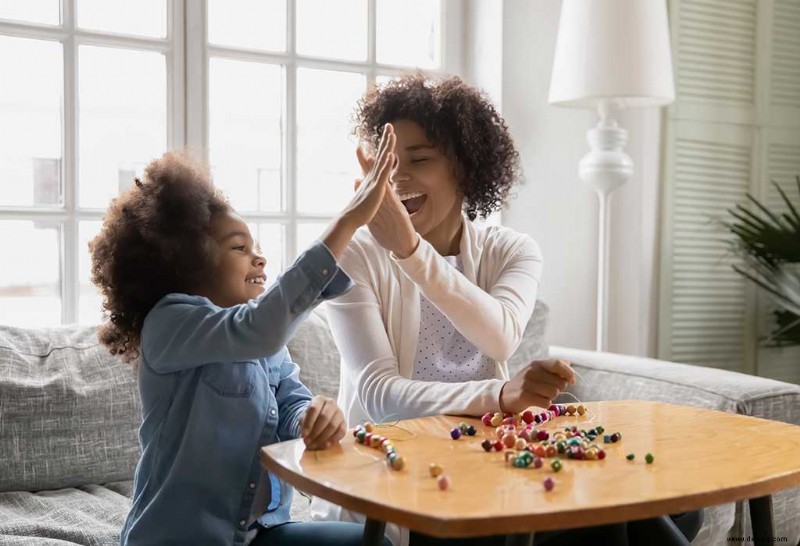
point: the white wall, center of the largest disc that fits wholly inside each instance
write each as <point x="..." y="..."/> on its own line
<point x="554" y="206"/>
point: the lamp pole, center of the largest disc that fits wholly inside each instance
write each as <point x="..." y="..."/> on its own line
<point x="605" y="168"/>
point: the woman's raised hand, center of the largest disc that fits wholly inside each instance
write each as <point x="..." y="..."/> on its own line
<point x="391" y="225"/>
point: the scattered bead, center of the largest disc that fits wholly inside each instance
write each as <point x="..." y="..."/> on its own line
<point x="549" y="484"/>
<point x="571" y="409"/>
<point x="521" y="444"/>
<point x="497" y="420"/>
<point x="509" y="440"/>
<point x="498" y="446"/>
<point x="443" y="482"/>
<point x="369" y="427"/>
<point x="462" y="427"/>
<point x="455" y="434"/>
<point x="398" y="463"/>
<point x="487" y="419"/>
<point x="581" y="410"/>
<point x="471" y="431"/>
<point x="527" y="416"/>
<point x="599" y="430"/>
<point x="630" y="456"/>
<point x="556" y="465"/>
<point x="487" y="445"/>
<point x="435" y="469"/>
<point x="538" y="462"/>
<point x="649" y="458"/>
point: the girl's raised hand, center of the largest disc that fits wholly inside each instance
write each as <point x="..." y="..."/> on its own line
<point x="322" y="425"/>
<point x="391" y="225"/>
<point x="370" y="192"/>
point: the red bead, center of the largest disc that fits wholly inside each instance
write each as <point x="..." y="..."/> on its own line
<point x="498" y="446"/>
<point x="527" y="416"/>
<point x="542" y="435"/>
<point x="601" y="454"/>
<point x="487" y="419"/>
<point x="367" y="438"/>
<point x="549" y="484"/>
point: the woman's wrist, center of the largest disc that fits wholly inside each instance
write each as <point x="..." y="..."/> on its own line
<point x="500" y="398"/>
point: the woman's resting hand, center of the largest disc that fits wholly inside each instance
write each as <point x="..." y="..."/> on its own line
<point x="537" y="384"/>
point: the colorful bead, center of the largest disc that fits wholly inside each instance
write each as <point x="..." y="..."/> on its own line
<point x="538" y="462"/>
<point x="498" y="446"/>
<point x="369" y="427"/>
<point x="487" y="445"/>
<point x="443" y="482"/>
<point x="649" y="458"/>
<point x="455" y="434"/>
<point x="549" y="484"/>
<point x="521" y="444"/>
<point x="606" y="438"/>
<point x="556" y="465"/>
<point x="510" y="440"/>
<point x="581" y="409"/>
<point x="601" y="454"/>
<point x="542" y="435"/>
<point x="463" y="428"/>
<point x="471" y="431"/>
<point x="527" y="416"/>
<point x="487" y="419"/>
<point x="497" y="420"/>
<point x="551" y="450"/>
<point x="630" y="456"/>
<point x="571" y="409"/>
<point x="435" y="470"/>
<point x="361" y="435"/>
<point x="599" y="430"/>
<point x="398" y="463"/>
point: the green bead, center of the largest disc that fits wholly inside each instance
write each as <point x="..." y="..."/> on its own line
<point x="599" y="430"/>
<point x="649" y="458"/>
<point x="463" y="427"/>
<point x="561" y="446"/>
<point x="360" y="436"/>
<point x="556" y="465"/>
<point x="630" y="456"/>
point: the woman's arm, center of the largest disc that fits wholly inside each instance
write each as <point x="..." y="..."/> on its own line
<point x="360" y="335"/>
<point x="184" y="334"/>
<point x="493" y="321"/>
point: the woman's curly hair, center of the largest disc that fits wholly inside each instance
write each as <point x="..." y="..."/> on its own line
<point x="462" y="122"/>
<point x="155" y="240"/>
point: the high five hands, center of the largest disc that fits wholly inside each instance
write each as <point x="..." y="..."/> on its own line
<point x="391" y="225"/>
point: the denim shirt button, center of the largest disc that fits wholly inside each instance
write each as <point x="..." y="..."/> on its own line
<point x="324" y="271"/>
<point x="242" y="522"/>
<point x="252" y="485"/>
<point x="272" y="412"/>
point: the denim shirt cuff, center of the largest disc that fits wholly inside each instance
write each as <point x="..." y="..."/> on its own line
<point x="320" y="267"/>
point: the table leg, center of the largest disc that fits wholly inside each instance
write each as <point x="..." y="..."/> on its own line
<point x="525" y="539"/>
<point x="761" y="517"/>
<point x="373" y="532"/>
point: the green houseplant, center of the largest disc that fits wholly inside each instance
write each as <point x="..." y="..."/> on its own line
<point x="769" y="243"/>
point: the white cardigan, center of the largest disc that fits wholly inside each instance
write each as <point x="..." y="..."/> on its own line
<point x="376" y="327"/>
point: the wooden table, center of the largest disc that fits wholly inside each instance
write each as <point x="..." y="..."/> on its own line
<point x="702" y="458"/>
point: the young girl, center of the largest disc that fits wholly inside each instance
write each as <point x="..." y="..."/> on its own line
<point x="183" y="287"/>
<point x="440" y="303"/>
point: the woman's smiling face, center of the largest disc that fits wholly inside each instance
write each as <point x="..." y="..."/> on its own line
<point x="425" y="180"/>
<point x="239" y="268"/>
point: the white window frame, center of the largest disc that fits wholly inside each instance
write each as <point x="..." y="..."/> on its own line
<point x="70" y="214"/>
<point x="187" y="56"/>
<point x="199" y="51"/>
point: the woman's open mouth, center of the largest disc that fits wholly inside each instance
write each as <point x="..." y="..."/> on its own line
<point x="413" y="201"/>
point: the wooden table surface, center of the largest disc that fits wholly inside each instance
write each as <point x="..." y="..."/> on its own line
<point x="702" y="458"/>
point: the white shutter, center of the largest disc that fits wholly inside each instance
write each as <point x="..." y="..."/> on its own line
<point x="734" y="126"/>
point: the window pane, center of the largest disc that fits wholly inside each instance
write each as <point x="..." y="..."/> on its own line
<point x="271" y="239"/>
<point x="89" y="300"/>
<point x="30" y="118"/>
<point x="409" y="32"/>
<point x="245" y="132"/>
<point x="307" y="233"/>
<point x="251" y="24"/>
<point x="122" y="119"/>
<point x="335" y="30"/>
<point x="30" y="278"/>
<point x="47" y="12"/>
<point x="137" y="17"/>
<point x="326" y="156"/>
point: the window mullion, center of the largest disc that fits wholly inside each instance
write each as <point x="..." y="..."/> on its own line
<point x="69" y="230"/>
<point x="176" y="75"/>
<point x="196" y="79"/>
<point x="290" y="137"/>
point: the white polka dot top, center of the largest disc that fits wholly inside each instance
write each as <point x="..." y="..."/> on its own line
<point x="443" y="354"/>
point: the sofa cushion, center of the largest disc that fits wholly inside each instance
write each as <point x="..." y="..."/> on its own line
<point x="313" y="349"/>
<point x="70" y="411"/>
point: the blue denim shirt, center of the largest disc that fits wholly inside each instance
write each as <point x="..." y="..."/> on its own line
<point x="217" y="384"/>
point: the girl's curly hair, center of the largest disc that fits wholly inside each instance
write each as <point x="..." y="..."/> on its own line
<point x="155" y="240"/>
<point x="462" y="122"/>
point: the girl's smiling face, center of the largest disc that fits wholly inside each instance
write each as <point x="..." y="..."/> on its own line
<point x="425" y="181"/>
<point x="239" y="267"/>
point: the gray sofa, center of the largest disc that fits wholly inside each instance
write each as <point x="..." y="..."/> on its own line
<point x="69" y="416"/>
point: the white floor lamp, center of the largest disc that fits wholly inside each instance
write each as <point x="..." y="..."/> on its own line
<point x="610" y="54"/>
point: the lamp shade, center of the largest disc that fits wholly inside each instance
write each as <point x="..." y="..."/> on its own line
<point x="615" y="50"/>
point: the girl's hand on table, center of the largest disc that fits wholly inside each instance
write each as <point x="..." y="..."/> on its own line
<point x="323" y="424"/>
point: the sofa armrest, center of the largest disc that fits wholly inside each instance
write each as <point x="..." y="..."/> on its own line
<point x="609" y="376"/>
